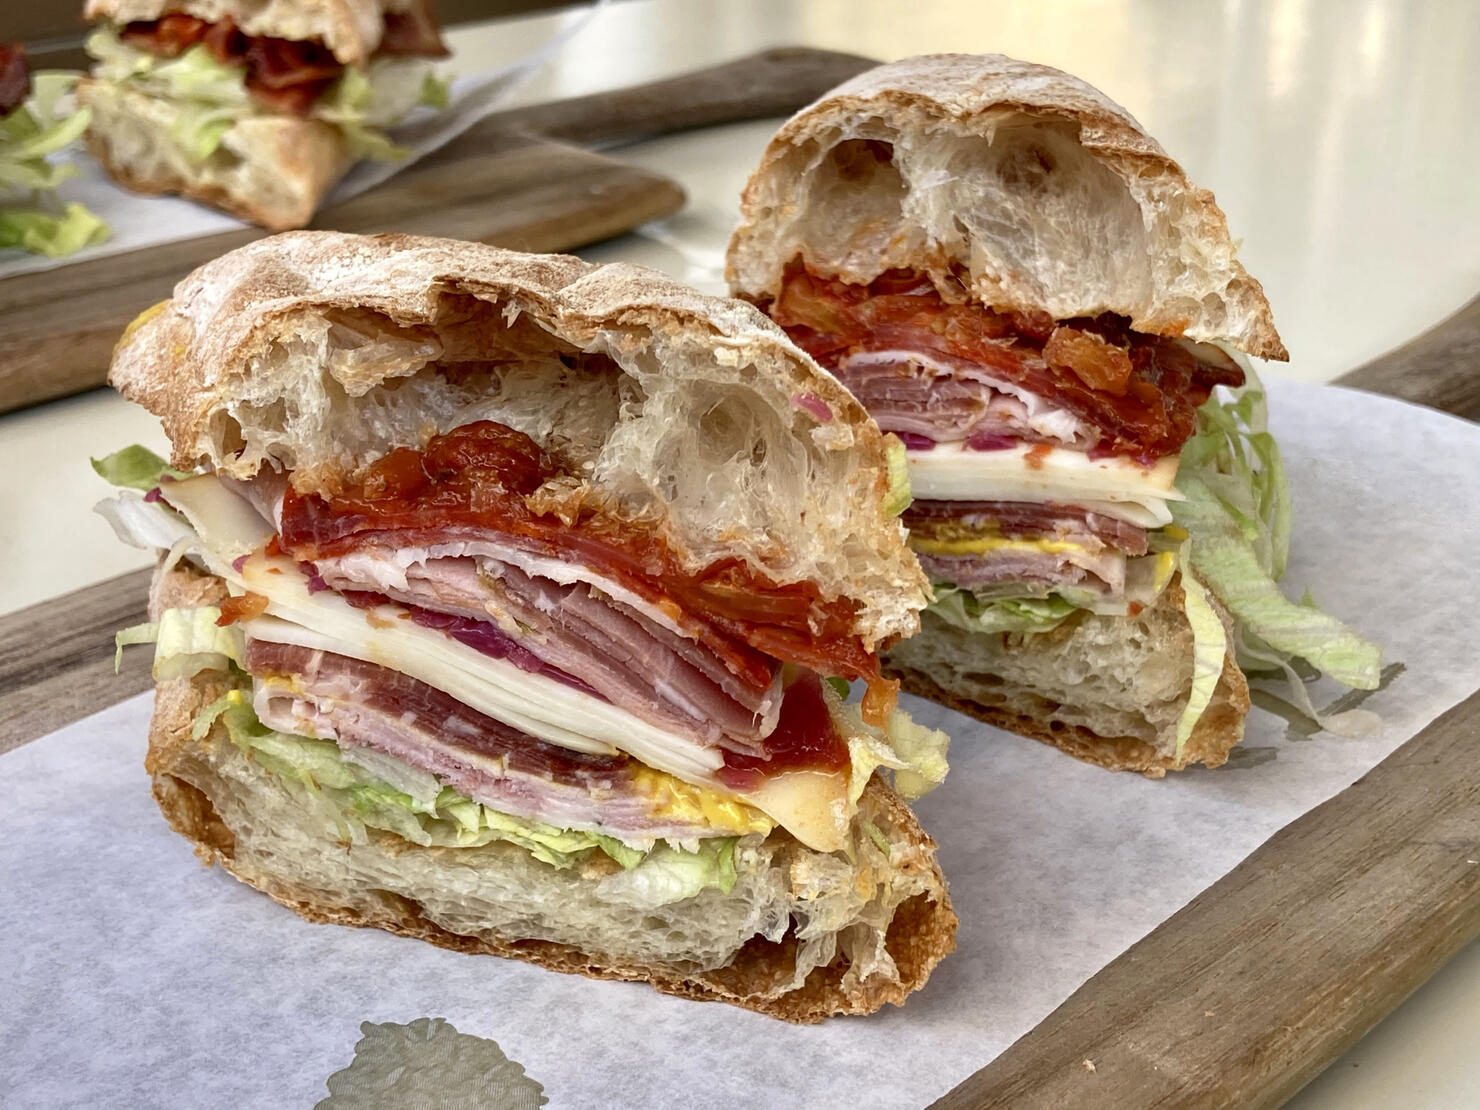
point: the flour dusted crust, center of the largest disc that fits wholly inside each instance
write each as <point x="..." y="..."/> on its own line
<point x="1015" y="183"/>
<point x="1107" y="690"/>
<point x="273" y="170"/>
<point x="199" y="782"/>
<point x="350" y="28"/>
<point x="318" y="352"/>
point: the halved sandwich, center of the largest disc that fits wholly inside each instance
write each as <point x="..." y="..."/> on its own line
<point x="510" y="603"/>
<point x="1018" y="281"/>
<point x="256" y="109"/>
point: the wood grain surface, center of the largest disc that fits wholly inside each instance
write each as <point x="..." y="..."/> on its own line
<point x="1237" y="1000"/>
<point x="510" y="180"/>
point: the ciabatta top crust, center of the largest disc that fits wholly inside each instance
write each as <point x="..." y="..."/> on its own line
<point x="318" y="352"/>
<point x="1017" y="183"/>
<point x="349" y="28"/>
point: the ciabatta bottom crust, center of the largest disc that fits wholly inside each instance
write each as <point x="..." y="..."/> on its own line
<point x="1107" y="690"/>
<point x="197" y="784"/>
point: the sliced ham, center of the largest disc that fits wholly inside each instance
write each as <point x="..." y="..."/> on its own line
<point x="617" y="650"/>
<point x="359" y="704"/>
<point x="1027" y="572"/>
<point x="948" y="399"/>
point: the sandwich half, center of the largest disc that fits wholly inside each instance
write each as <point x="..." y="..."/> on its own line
<point x="256" y="109"/>
<point x="1019" y="282"/>
<point x="510" y="603"/>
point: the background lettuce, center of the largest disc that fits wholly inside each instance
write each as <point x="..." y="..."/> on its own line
<point x="28" y="136"/>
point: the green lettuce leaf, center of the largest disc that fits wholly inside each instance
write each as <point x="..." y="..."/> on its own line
<point x="134" y="467"/>
<point x="898" y="499"/>
<point x="186" y="642"/>
<point x="1237" y="516"/>
<point x="1209" y="648"/>
<point x="961" y="607"/>
<point x="54" y="235"/>
<point x="29" y="135"/>
<point x="668" y="875"/>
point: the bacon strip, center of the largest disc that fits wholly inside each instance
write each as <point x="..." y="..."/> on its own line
<point x="1139" y="392"/>
<point x="284" y="75"/>
<point x="15" y="77"/>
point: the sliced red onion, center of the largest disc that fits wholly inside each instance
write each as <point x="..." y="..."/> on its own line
<point x="990" y="441"/>
<point x="810" y="402"/>
<point x="914" y="441"/>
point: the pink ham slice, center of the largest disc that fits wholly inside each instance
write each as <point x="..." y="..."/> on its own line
<point x="620" y="653"/>
<point x="360" y="704"/>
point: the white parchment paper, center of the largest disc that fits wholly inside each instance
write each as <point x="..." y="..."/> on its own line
<point x="137" y="221"/>
<point x="136" y="978"/>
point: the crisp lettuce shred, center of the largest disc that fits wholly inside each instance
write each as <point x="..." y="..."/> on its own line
<point x="30" y="219"/>
<point x="134" y="467"/>
<point x="1209" y="646"/>
<point x="210" y="98"/>
<point x="914" y="754"/>
<point x="962" y="607"/>
<point x="419" y="809"/>
<point x="1237" y="516"/>
<point x="898" y="499"/>
<point x="186" y="642"/>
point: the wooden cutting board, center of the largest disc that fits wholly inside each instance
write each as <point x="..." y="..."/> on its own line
<point x="514" y="180"/>
<point x="1237" y="1000"/>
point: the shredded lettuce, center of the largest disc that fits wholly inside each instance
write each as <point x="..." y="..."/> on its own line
<point x="29" y="135"/>
<point x="1209" y="647"/>
<point x="898" y="499"/>
<point x="186" y="642"/>
<point x="134" y="467"/>
<point x="961" y="607"/>
<point x="52" y="234"/>
<point x="1237" y="515"/>
<point x="915" y="754"/>
<point x="417" y="807"/>
<point x="668" y="875"/>
<point x="211" y="98"/>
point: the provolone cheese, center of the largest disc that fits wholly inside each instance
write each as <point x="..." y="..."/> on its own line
<point x="1113" y="485"/>
<point x="231" y="537"/>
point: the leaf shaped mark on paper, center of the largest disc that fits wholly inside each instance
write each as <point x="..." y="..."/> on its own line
<point x="428" y="1063"/>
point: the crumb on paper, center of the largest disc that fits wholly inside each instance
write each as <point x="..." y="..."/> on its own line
<point x="1089" y="1065"/>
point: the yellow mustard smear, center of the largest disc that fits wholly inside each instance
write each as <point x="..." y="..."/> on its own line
<point x="980" y="545"/>
<point x="139" y="321"/>
<point x="671" y="797"/>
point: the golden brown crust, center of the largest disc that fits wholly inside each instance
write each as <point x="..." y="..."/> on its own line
<point x="976" y="99"/>
<point x="1217" y="731"/>
<point x="193" y="359"/>
<point x="921" y="933"/>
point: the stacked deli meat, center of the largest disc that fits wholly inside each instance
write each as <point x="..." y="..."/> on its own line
<point x="1020" y="284"/>
<point x="511" y="603"/>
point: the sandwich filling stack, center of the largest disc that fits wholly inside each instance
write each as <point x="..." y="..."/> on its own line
<point x="34" y="126"/>
<point x="510" y="602"/>
<point x="254" y="109"/>
<point x="1023" y="287"/>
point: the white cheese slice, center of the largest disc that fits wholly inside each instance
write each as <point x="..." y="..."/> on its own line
<point x="1117" y="486"/>
<point x="231" y="534"/>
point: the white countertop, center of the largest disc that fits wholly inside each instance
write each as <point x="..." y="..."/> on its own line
<point x="1341" y="138"/>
